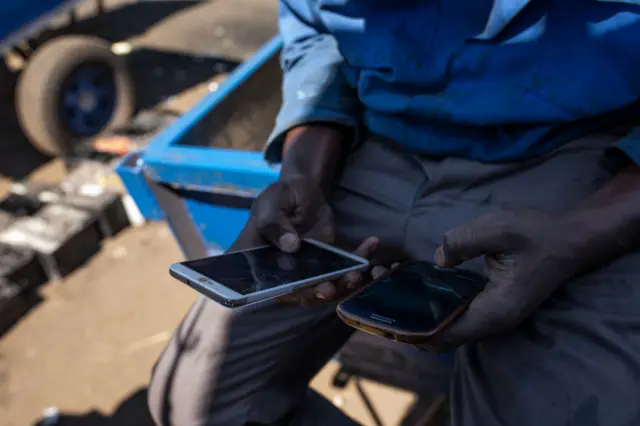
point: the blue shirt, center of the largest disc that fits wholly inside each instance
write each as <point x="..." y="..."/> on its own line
<point x="488" y="80"/>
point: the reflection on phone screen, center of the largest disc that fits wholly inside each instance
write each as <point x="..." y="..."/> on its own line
<point x="250" y="271"/>
<point x="416" y="297"/>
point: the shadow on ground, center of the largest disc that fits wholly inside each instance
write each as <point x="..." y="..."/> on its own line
<point x="132" y="411"/>
<point x="157" y="74"/>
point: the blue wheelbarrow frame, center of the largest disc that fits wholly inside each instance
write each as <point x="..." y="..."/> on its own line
<point x="199" y="177"/>
<point x="202" y="192"/>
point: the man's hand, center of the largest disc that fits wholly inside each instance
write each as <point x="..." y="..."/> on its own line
<point x="295" y="207"/>
<point x="528" y="255"/>
<point x="295" y="204"/>
<point x="291" y="208"/>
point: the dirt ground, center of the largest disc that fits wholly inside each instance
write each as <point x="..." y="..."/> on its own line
<point x="90" y="345"/>
<point x="88" y="348"/>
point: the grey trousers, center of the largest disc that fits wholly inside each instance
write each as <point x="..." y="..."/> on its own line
<point x="575" y="362"/>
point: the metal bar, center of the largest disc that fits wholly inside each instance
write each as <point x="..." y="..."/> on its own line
<point x="367" y="402"/>
<point x="183" y="124"/>
<point x="179" y="220"/>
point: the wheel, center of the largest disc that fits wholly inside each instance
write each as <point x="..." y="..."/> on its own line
<point x="73" y="88"/>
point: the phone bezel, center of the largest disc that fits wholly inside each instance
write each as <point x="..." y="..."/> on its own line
<point x="379" y="328"/>
<point x="230" y="298"/>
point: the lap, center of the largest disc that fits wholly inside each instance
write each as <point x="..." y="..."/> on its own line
<point x="227" y="369"/>
<point x="577" y="359"/>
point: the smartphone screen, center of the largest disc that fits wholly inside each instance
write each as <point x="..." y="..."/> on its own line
<point x="250" y="271"/>
<point x="416" y="296"/>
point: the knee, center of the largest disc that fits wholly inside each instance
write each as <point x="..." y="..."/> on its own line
<point x="176" y="396"/>
<point x="185" y="388"/>
<point x="184" y="381"/>
<point x="157" y="395"/>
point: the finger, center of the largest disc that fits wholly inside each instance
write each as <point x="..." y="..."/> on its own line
<point x="332" y="291"/>
<point x="325" y="291"/>
<point x="378" y="271"/>
<point x="301" y="298"/>
<point x="354" y="280"/>
<point x="289" y="298"/>
<point x="321" y="292"/>
<point x="351" y="281"/>
<point x="368" y="247"/>
<point x="272" y="210"/>
<point x="472" y="240"/>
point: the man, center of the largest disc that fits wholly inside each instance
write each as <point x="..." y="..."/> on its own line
<point x="460" y="131"/>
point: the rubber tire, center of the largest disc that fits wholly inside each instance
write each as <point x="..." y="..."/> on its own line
<point x="39" y="85"/>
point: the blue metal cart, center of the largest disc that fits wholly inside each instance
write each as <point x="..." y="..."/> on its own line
<point x="70" y="87"/>
<point x="202" y="174"/>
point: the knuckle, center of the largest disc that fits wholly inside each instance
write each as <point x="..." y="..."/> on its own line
<point x="452" y="239"/>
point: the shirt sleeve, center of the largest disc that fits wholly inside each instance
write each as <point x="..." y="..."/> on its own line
<point x="314" y="87"/>
<point x="627" y="149"/>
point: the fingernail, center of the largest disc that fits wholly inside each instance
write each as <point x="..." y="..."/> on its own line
<point x="288" y="242"/>
<point x="320" y="296"/>
<point x="378" y="271"/>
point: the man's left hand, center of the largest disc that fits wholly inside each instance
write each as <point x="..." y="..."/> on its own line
<point x="528" y="255"/>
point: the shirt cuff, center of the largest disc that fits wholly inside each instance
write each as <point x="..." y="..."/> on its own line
<point x="626" y="149"/>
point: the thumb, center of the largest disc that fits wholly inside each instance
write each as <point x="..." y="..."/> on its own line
<point x="281" y="233"/>
<point x="471" y="240"/>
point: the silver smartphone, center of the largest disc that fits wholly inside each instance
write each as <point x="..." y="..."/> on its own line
<point x="255" y="275"/>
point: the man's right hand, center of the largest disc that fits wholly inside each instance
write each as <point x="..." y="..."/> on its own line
<point x="289" y="209"/>
<point x="295" y="206"/>
<point x="292" y="209"/>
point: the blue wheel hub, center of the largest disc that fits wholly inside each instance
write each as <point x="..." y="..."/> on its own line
<point x="88" y="99"/>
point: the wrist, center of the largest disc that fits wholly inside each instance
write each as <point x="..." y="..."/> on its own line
<point x="609" y="220"/>
<point x="313" y="152"/>
<point x="596" y="235"/>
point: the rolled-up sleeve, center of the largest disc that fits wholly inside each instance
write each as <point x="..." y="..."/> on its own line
<point x="314" y="87"/>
